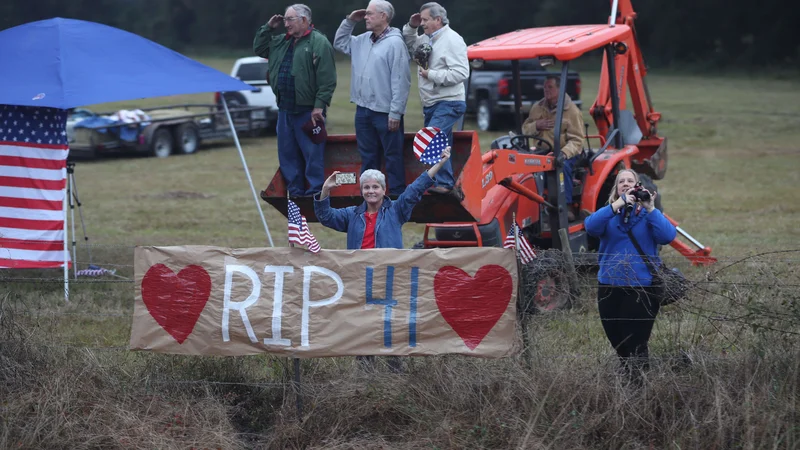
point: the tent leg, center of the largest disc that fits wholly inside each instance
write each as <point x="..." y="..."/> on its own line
<point x="70" y="193"/>
<point x="66" y="248"/>
<point x="246" y="170"/>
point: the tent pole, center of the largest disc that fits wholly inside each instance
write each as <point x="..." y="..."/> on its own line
<point x="66" y="248"/>
<point x="71" y="187"/>
<point x="246" y="170"/>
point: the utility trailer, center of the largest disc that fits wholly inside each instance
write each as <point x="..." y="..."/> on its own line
<point x="169" y="129"/>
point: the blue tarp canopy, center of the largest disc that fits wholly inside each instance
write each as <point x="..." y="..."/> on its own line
<point x="66" y="63"/>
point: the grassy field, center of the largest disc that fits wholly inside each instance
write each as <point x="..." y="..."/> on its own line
<point x="67" y="381"/>
<point x="734" y="159"/>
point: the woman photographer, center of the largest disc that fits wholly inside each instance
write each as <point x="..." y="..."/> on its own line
<point x="627" y="301"/>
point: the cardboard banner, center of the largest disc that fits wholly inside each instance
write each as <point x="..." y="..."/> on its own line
<point x="202" y="300"/>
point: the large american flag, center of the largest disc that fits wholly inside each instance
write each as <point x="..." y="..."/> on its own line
<point x="33" y="156"/>
<point x="298" y="229"/>
<point x="429" y="143"/>
<point x="526" y="253"/>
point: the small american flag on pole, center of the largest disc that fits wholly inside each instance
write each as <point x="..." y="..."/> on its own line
<point x="429" y="143"/>
<point x="526" y="253"/>
<point x="298" y="229"/>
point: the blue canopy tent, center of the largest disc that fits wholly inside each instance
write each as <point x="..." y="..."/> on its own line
<point x="65" y="63"/>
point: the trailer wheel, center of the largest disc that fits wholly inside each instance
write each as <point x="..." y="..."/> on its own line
<point x="161" y="145"/>
<point x="484" y="116"/>
<point x="187" y="138"/>
<point x="234" y="100"/>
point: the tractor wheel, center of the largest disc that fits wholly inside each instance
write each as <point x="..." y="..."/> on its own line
<point x="544" y="284"/>
<point x="551" y="294"/>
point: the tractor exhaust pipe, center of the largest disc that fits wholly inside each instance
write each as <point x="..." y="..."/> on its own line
<point x="612" y="20"/>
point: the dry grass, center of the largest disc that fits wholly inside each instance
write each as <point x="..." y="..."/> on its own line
<point x="68" y="381"/>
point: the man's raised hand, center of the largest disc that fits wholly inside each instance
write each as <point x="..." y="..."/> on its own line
<point x="415" y="21"/>
<point x="275" y="20"/>
<point x="357" y="15"/>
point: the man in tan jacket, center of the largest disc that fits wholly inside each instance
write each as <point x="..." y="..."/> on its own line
<point x="541" y="123"/>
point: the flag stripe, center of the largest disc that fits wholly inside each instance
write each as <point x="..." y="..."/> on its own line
<point x="22" y="264"/>
<point x="32" y="255"/>
<point x="31" y="245"/>
<point x="25" y="224"/>
<point x="33" y="235"/>
<point x="32" y="172"/>
<point x="31" y="214"/>
<point x="13" y="202"/>
<point x="33" y="194"/>
<point x="58" y="153"/>
<point x="36" y="145"/>
<point x="30" y="183"/>
<point x="35" y="163"/>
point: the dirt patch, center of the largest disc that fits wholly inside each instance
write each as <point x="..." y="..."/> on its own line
<point x="179" y="195"/>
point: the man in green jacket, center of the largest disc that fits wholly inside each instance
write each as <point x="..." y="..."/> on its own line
<point x="302" y="74"/>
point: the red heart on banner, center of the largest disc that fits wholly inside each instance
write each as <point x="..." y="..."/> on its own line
<point x="176" y="301"/>
<point x="472" y="305"/>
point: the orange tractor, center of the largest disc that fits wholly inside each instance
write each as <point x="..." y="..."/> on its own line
<point x="513" y="181"/>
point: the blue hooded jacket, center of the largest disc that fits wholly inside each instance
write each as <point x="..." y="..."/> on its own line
<point x="390" y="220"/>
<point x="620" y="263"/>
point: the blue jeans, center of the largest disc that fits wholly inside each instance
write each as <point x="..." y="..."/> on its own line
<point x="444" y="115"/>
<point x="372" y="135"/>
<point x="300" y="159"/>
<point x="569" y="165"/>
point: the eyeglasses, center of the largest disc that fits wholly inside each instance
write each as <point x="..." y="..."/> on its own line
<point x="292" y="19"/>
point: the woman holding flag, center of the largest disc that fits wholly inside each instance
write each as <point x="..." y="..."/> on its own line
<point x="378" y="222"/>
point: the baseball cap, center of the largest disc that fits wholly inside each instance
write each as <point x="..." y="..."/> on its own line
<point x="317" y="132"/>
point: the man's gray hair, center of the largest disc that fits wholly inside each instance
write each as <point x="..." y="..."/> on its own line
<point x="436" y="10"/>
<point x="302" y="11"/>
<point x="373" y="175"/>
<point x="384" y="7"/>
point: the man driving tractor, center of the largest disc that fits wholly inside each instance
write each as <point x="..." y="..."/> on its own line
<point x="541" y="123"/>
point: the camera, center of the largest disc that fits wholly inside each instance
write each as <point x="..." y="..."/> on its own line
<point x="639" y="193"/>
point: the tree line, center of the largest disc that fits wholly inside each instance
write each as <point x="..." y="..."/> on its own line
<point x="711" y="33"/>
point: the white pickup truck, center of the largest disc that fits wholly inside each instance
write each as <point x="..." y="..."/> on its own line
<point x="253" y="71"/>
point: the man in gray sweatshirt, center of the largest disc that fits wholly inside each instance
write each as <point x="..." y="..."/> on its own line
<point x="379" y="87"/>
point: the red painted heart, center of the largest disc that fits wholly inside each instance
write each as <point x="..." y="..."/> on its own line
<point x="176" y="301"/>
<point x="472" y="305"/>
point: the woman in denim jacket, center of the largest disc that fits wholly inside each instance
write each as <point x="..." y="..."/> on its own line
<point x="378" y="222"/>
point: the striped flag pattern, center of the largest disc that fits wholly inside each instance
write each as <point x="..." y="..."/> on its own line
<point x="429" y="143"/>
<point x="298" y="229"/>
<point x="33" y="157"/>
<point x="526" y="253"/>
